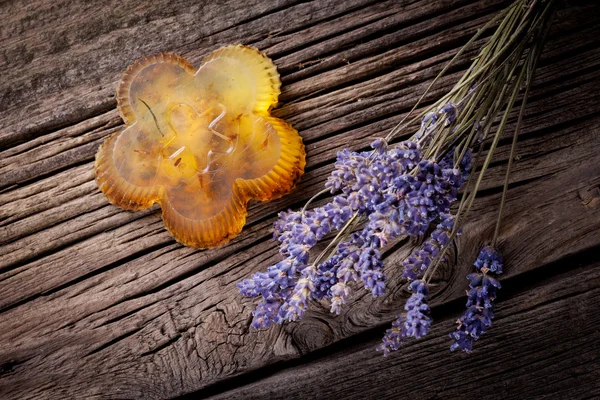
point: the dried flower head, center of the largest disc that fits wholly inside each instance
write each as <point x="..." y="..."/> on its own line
<point x="482" y="291"/>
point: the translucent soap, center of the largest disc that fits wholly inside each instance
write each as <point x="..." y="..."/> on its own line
<point x="200" y="142"/>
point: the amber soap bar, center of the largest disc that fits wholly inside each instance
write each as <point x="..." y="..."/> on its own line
<point x="200" y="142"/>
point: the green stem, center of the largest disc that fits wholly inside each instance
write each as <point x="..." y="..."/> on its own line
<point x="430" y="272"/>
<point x="479" y="32"/>
<point x="508" y="167"/>
<point x="531" y="66"/>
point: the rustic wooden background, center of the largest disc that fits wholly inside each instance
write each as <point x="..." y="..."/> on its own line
<point x="96" y="302"/>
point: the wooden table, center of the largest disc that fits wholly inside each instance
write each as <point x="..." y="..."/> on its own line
<point x="96" y="302"/>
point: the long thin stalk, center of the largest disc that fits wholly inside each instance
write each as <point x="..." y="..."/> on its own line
<point x="517" y="86"/>
<point x="533" y="60"/>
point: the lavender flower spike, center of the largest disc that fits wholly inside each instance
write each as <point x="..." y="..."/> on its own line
<point x="394" y="337"/>
<point x="482" y="292"/>
<point x="298" y="301"/>
<point x="418" y="262"/>
<point x="414" y="323"/>
<point x="418" y="321"/>
<point x="339" y="296"/>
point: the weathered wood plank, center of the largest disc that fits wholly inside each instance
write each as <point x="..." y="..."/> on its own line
<point x="83" y="50"/>
<point x="101" y="302"/>
<point x="545" y="344"/>
<point x="321" y="153"/>
<point x="130" y="301"/>
<point x="54" y="226"/>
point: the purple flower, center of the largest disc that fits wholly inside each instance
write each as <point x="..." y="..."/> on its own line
<point x="359" y="257"/>
<point x="428" y="194"/>
<point x="482" y="291"/>
<point x="394" y="337"/>
<point x="450" y="110"/>
<point x="417" y="263"/>
<point x="397" y="193"/>
<point x="325" y="277"/>
<point x="339" y="296"/>
<point x="417" y="316"/>
<point x="266" y="313"/>
<point x="297" y="303"/>
<point x="279" y="276"/>
<point x="348" y="254"/>
<point x="298" y="232"/>
<point x="489" y="260"/>
<point x="414" y="323"/>
<point x="367" y="178"/>
<point x="472" y="324"/>
<point x="369" y="266"/>
<point x="429" y="128"/>
<point x="374" y="280"/>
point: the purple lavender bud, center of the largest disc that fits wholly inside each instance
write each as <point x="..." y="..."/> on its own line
<point x="374" y="281"/>
<point x="450" y="110"/>
<point x="298" y="301"/>
<point x="471" y="325"/>
<point x="300" y="252"/>
<point x="482" y="291"/>
<point x="277" y="277"/>
<point x="286" y="219"/>
<point x="380" y="145"/>
<point x="418" y="262"/>
<point x="418" y="321"/>
<point x="386" y="221"/>
<point x="394" y="337"/>
<point x="325" y="277"/>
<point x="414" y="323"/>
<point x="339" y="296"/>
<point x="266" y="313"/>
<point x="489" y="260"/>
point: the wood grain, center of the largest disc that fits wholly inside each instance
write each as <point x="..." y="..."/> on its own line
<point x="102" y="303"/>
<point x="538" y="348"/>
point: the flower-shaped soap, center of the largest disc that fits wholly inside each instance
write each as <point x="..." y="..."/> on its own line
<point x="201" y="143"/>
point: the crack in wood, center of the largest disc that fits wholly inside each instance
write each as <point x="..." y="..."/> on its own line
<point x="66" y="294"/>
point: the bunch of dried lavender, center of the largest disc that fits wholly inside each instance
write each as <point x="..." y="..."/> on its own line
<point x="402" y="189"/>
